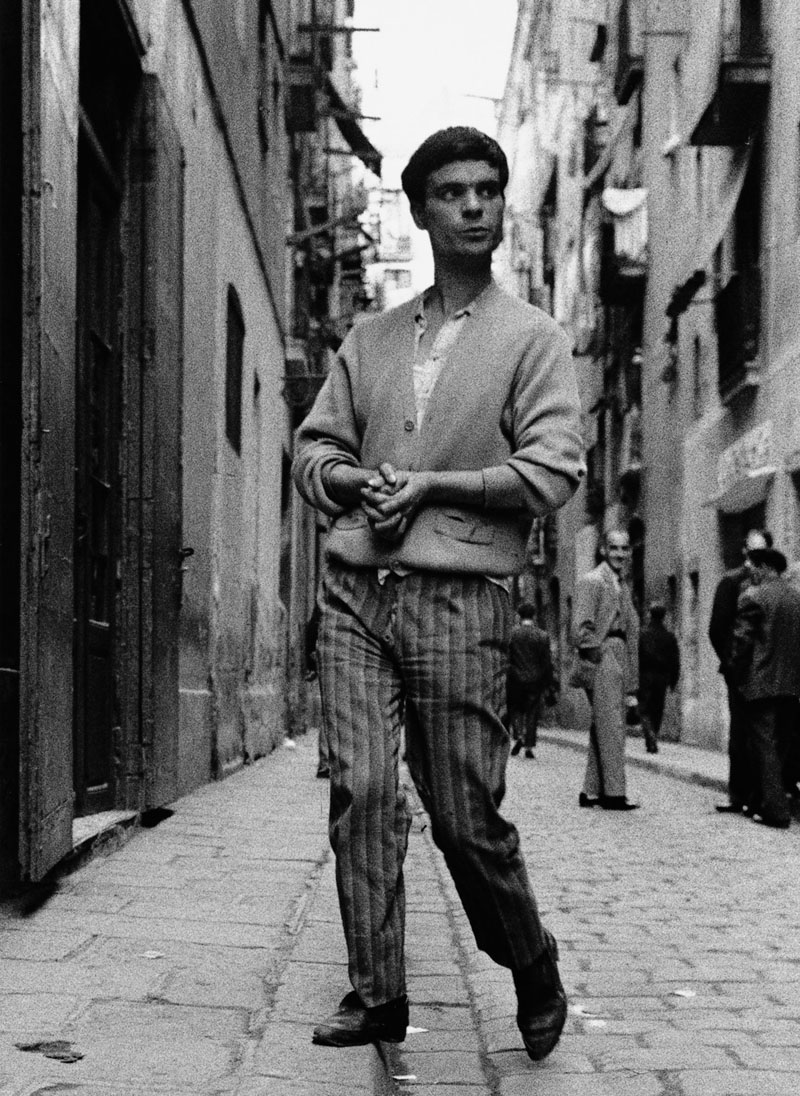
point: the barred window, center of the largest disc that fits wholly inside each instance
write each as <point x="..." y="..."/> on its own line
<point x="233" y="371"/>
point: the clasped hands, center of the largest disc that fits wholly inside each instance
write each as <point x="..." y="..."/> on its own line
<point x="391" y="498"/>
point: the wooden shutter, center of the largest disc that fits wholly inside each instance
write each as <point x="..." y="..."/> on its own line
<point x="153" y="396"/>
<point x="48" y="440"/>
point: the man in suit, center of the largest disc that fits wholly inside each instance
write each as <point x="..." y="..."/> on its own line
<point x="659" y="670"/>
<point x="606" y="634"/>
<point x="764" y="658"/>
<point x="530" y="677"/>
<point x="720" y="632"/>
<point x="444" y="426"/>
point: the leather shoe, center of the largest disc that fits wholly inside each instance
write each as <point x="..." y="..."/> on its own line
<point x="355" y="1025"/>
<point x="541" y="1002"/>
<point x="516" y="747"/>
<point x="773" y="823"/>
<point x="585" y="800"/>
<point x="617" y="803"/>
<point x="729" y="808"/>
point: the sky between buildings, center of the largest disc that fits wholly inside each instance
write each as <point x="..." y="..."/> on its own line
<point x="434" y="63"/>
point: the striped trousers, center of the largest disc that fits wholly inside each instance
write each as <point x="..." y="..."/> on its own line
<point x="428" y="653"/>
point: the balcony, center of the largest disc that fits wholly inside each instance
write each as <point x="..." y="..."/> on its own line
<point x="737" y="108"/>
<point x="738" y="316"/>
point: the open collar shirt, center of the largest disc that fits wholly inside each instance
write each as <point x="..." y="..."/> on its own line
<point x="430" y="357"/>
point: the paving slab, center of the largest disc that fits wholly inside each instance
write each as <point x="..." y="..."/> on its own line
<point x="197" y="957"/>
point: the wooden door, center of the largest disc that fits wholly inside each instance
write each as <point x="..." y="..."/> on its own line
<point x="97" y="499"/>
<point x="47" y="446"/>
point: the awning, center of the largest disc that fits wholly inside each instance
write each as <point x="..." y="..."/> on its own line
<point x="628" y="209"/>
<point x="718" y="216"/>
<point x="745" y="492"/>
<point x="745" y="470"/>
<point x="715" y="216"/>
<point x="347" y="121"/>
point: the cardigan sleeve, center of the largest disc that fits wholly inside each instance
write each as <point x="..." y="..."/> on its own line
<point x="330" y="433"/>
<point x="545" y="426"/>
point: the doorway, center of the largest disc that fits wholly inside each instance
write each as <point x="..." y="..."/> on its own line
<point x="109" y="77"/>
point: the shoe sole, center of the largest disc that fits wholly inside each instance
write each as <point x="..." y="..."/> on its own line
<point x="542" y="1049"/>
<point x="321" y="1040"/>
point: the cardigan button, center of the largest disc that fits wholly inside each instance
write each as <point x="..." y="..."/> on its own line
<point x="408" y="426"/>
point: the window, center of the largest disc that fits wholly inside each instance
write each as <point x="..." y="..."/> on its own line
<point x="269" y="75"/>
<point x="697" y="376"/>
<point x="738" y="277"/>
<point x="693" y="637"/>
<point x="233" y="371"/>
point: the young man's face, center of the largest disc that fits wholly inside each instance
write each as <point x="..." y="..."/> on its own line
<point x="463" y="211"/>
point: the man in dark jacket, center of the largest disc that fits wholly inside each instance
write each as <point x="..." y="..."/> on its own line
<point x="720" y="632"/>
<point x="530" y="677"/>
<point x="764" y="659"/>
<point x="659" y="670"/>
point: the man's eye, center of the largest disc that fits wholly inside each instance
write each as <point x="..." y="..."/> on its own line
<point x="448" y="193"/>
<point x="489" y="190"/>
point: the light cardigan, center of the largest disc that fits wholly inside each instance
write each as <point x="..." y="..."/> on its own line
<point x="506" y="395"/>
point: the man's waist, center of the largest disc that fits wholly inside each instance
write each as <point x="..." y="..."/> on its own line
<point x="439" y="539"/>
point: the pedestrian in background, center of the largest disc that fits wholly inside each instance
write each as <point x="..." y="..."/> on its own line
<point x="530" y="679"/>
<point x="720" y="632"/>
<point x="765" y="661"/>
<point x="659" y="670"/>
<point x="444" y="426"/>
<point x="793" y="760"/>
<point x="606" y="638"/>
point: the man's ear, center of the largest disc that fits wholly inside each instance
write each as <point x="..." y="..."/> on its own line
<point x="418" y="213"/>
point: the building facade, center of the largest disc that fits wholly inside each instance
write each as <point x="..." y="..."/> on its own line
<point x="147" y="306"/>
<point x="332" y="165"/>
<point x="666" y="241"/>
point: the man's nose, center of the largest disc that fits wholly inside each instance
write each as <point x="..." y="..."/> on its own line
<point x="472" y="202"/>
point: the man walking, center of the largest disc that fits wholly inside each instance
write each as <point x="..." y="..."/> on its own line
<point x="764" y="659"/>
<point x="659" y="670"/>
<point x="444" y="426"/>
<point x="606" y="635"/>
<point x="530" y="677"/>
<point x="720" y="632"/>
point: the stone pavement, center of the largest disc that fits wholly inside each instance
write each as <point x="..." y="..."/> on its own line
<point x="678" y="930"/>
<point x="195" y="958"/>
<point x="708" y="768"/>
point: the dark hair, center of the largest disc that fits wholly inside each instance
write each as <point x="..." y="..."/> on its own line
<point x="768" y="557"/>
<point x="526" y="610"/>
<point x="445" y="147"/>
<point x="658" y="610"/>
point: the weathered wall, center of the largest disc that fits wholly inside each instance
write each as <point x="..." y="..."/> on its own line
<point x="232" y="704"/>
<point x="687" y="427"/>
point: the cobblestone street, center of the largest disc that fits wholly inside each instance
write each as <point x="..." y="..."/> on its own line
<point x="678" y="930"/>
<point x="195" y="959"/>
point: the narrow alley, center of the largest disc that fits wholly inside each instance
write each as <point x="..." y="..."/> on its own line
<point x="195" y="957"/>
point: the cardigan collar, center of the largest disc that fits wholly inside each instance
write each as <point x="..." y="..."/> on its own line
<point x="423" y="301"/>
